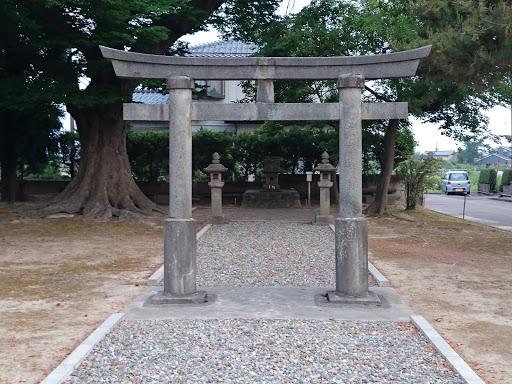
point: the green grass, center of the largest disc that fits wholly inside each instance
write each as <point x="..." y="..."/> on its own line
<point x="473" y="177"/>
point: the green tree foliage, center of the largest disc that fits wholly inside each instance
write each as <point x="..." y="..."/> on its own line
<point x="149" y="154"/>
<point x="334" y="28"/>
<point x="469" y="68"/>
<point x="29" y="116"/>
<point x="205" y="143"/>
<point x="472" y="39"/>
<point x="28" y="143"/>
<point x="330" y="27"/>
<point x="415" y="174"/>
<point x="300" y="149"/>
<point x="472" y="151"/>
<point x="62" y="38"/>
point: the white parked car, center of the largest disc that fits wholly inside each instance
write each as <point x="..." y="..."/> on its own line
<point x="456" y="181"/>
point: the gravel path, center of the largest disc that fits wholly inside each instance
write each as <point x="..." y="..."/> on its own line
<point x="263" y="351"/>
<point x="266" y="255"/>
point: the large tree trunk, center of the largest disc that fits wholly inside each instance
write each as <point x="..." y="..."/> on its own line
<point x="104" y="187"/>
<point x="10" y="188"/>
<point x="380" y="204"/>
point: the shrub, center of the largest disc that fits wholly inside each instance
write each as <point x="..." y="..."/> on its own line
<point x="415" y="174"/>
<point x="488" y="176"/>
<point x="506" y="177"/>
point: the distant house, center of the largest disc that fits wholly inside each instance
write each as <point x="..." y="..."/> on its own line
<point x="504" y="151"/>
<point x="221" y="91"/>
<point x="493" y="160"/>
<point x="441" y="155"/>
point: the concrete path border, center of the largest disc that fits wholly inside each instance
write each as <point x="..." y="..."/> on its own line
<point x="458" y="364"/>
<point x="76" y="357"/>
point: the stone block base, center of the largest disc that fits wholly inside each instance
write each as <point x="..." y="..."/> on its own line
<point x="180" y="253"/>
<point x="339" y="298"/>
<point x="323" y="220"/>
<point x="285" y="198"/>
<point x="162" y="298"/>
<point x="217" y="219"/>
<point x="351" y="240"/>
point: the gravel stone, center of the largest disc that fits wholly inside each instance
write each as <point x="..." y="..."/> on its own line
<point x="266" y="255"/>
<point x="263" y="351"/>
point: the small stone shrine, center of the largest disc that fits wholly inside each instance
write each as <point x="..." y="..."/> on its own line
<point x="271" y="195"/>
<point x="271" y="169"/>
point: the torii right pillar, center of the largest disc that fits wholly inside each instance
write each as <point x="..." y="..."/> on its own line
<point x="351" y="229"/>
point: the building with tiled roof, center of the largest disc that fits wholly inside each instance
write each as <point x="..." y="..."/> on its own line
<point x="218" y="91"/>
<point x="441" y="155"/>
<point x="493" y="160"/>
<point x="223" y="48"/>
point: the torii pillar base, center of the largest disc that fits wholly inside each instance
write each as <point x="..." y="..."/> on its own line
<point x="162" y="298"/>
<point x="217" y="219"/>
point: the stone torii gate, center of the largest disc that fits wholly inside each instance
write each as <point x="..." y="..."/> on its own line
<point x="351" y="236"/>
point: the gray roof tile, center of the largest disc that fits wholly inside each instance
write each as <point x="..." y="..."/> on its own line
<point x="149" y="96"/>
<point x="223" y="48"/>
<point x="219" y="48"/>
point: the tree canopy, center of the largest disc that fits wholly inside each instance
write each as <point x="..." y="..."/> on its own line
<point x="331" y="27"/>
<point x="62" y="38"/>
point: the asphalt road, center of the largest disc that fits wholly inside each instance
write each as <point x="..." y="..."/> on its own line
<point x="491" y="211"/>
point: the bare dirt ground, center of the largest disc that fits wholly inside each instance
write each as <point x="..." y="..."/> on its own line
<point x="61" y="278"/>
<point x="457" y="275"/>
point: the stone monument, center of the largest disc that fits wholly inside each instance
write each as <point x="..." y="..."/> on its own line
<point x="351" y="235"/>
<point x="215" y="169"/>
<point x="271" y="195"/>
<point x="325" y="169"/>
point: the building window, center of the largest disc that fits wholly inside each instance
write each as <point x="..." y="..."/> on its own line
<point x="210" y="89"/>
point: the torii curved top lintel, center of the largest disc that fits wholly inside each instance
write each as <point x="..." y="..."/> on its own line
<point x="140" y="65"/>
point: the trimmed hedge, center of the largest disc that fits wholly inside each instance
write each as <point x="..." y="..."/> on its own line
<point x="506" y="178"/>
<point x="488" y="176"/>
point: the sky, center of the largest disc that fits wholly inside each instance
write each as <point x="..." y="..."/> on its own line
<point x="427" y="136"/>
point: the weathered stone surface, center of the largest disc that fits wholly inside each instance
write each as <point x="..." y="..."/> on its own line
<point x="265" y="92"/>
<point x="180" y="149"/>
<point x="351" y="237"/>
<point x="138" y="65"/>
<point x="180" y="255"/>
<point x="337" y="298"/>
<point x="215" y="169"/>
<point x="206" y="110"/>
<point x="326" y="169"/>
<point x="161" y="298"/>
<point x="255" y="198"/>
<point x="324" y="219"/>
<point x="351" y="148"/>
<point x="350" y="72"/>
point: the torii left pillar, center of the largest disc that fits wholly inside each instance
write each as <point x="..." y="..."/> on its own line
<point x="180" y="246"/>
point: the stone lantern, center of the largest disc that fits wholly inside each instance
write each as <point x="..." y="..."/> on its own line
<point x="326" y="169"/>
<point x="215" y="169"/>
